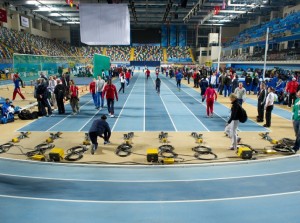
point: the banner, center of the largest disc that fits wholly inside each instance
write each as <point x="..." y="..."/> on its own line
<point x="173" y="39"/>
<point x="3" y="15"/>
<point x="182" y="33"/>
<point x="24" y="22"/>
<point x="104" y="24"/>
<point x="164" y="36"/>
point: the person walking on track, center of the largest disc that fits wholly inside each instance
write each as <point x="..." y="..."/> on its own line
<point x="211" y="96"/>
<point x="17" y="90"/>
<point x="110" y="92"/>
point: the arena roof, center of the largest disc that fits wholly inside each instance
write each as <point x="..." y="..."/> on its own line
<point x="157" y="12"/>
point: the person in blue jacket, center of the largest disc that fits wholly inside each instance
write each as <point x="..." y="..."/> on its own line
<point x="8" y="110"/>
<point x="99" y="128"/>
<point x="179" y="76"/>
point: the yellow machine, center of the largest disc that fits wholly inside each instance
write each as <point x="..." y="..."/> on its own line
<point x="198" y="137"/>
<point x="152" y="155"/>
<point x="87" y="140"/>
<point x="269" y="151"/>
<point x="15" y="140"/>
<point x="199" y="140"/>
<point x="163" y="137"/>
<point x="267" y="137"/>
<point x="168" y="160"/>
<point x="38" y="157"/>
<point x="244" y="152"/>
<point x="21" y="136"/>
<point x="53" y="136"/>
<point x="128" y="138"/>
<point x="56" y="154"/>
<point x="164" y="140"/>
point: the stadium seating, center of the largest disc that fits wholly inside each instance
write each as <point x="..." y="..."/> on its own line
<point x="279" y="28"/>
<point x="148" y="53"/>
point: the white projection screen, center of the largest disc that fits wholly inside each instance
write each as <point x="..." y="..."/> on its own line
<point x="104" y="24"/>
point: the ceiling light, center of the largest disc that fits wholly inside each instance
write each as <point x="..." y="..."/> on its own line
<point x="73" y="22"/>
<point x="54" y="14"/>
<point x="32" y="3"/>
<point x="45" y="9"/>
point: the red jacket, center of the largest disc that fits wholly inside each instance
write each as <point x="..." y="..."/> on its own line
<point x="292" y="87"/>
<point x="147" y="72"/>
<point x="93" y="87"/>
<point x="127" y="75"/>
<point x="210" y="94"/>
<point x="110" y="91"/>
<point x="74" y="91"/>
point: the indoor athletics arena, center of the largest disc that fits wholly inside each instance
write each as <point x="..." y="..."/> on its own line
<point x="131" y="111"/>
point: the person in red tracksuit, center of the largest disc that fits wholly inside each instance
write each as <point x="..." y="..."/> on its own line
<point x="291" y="89"/>
<point x="147" y="73"/>
<point x="211" y="96"/>
<point x="110" y="91"/>
<point x="93" y="91"/>
<point x="127" y="76"/>
<point x="17" y="90"/>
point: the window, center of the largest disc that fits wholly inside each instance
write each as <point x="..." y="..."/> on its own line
<point x="204" y="53"/>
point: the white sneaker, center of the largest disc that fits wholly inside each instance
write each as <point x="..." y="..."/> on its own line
<point x="112" y="116"/>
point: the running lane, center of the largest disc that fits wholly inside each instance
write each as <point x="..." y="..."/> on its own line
<point x="132" y="115"/>
<point x="157" y="117"/>
<point x="140" y="199"/>
<point x="223" y="112"/>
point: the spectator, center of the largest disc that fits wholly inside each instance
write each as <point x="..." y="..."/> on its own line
<point x="43" y="98"/>
<point x="74" y="97"/>
<point x="262" y="95"/>
<point x="99" y="88"/>
<point x="240" y="93"/>
<point x="59" y="92"/>
<point x="93" y="91"/>
<point x="296" y="122"/>
<point x="234" y="120"/>
<point x="291" y="89"/>
<point x="269" y="106"/>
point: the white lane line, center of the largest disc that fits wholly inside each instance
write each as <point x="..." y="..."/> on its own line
<point x="203" y="104"/>
<point x="214" y="111"/>
<point x="124" y="104"/>
<point x="153" y="181"/>
<point x="153" y="202"/>
<point x="89" y="120"/>
<point x="166" y="109"/>
<point x="187" y="108"/>
<point x="68" y="116"/>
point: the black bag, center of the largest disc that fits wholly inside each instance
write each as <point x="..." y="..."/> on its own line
<point x="27" y="115"/>
<point x="243" y="115"/>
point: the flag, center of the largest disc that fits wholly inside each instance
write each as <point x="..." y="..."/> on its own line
<point x="216" y="10"/>
<point x="3" y="15"/>
<point x="224" y="5"/>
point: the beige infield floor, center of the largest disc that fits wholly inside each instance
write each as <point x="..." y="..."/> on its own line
<point x="182" y="141"/>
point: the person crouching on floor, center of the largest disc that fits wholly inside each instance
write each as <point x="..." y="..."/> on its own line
<point x="99" y="128"/>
